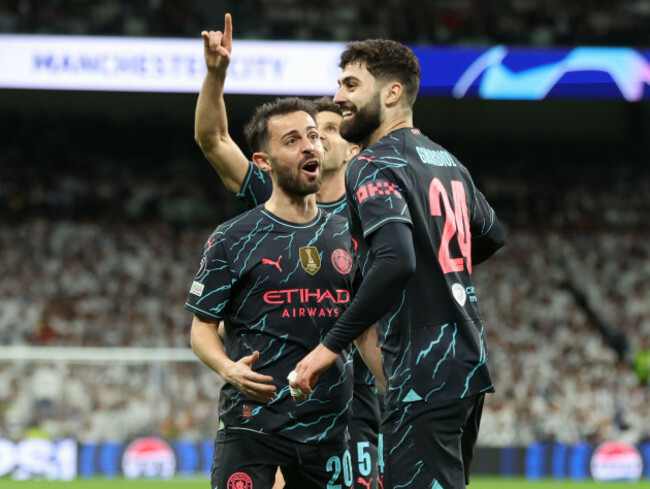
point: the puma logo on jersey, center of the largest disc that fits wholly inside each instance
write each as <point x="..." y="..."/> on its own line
<point x="363" y="481"/>
<point x="276" y="264"/>
<point x="366" y="158"/>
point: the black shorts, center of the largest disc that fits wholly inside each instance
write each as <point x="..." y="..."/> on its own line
<point x="363" y="448"/>
<point x="247" y="459"/>
<point x="430" y="446"/>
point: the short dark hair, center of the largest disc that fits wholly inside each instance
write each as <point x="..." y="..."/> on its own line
<point x="256" y="131"/>
<point x="326" y="104"/>
<point x="386" y="59"/>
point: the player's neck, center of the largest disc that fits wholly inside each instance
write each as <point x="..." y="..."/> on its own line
<point x="292" y="208"/>
<point x="333" y="186"/>
<point x="398" y="120"/>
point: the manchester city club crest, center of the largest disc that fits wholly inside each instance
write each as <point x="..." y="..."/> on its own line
<point x="342" y="261"/>
<point x="310" y="259"/>
<point x="240" y="480"/>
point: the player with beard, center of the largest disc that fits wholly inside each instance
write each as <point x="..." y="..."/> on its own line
<point x="422" y="224"/>
<point x="278" y="276"/>
<point x="254" y="186"/>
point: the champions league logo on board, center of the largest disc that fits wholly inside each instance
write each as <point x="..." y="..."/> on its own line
<point x="150" y="458"/>
<point x="616" y="461"/>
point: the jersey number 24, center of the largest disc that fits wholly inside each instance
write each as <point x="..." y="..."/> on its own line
<point x="456" y="224"/>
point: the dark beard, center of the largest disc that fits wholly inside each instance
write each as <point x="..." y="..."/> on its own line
<point x="358" y="129"/>
<point x="292" y="185"/>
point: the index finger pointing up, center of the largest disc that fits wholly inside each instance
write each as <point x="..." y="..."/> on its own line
<point x="227" y="29"/>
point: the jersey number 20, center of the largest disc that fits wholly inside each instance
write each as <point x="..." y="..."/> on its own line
<point x="456" y="224"/>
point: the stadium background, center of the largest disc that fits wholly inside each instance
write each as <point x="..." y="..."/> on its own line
<point x="105" y="201"/>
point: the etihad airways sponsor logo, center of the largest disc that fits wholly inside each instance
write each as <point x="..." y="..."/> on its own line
<point x="311" y="312"/>
<point x="313" y="303"/>
<point x="298" y="296"/>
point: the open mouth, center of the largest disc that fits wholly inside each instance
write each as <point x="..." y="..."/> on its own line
<point x="311" y="167"/>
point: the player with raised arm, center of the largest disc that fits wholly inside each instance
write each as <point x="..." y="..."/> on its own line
<point x="254" y="186"/>
<point x="271" y="275"/>
<point x="418" y="217"/>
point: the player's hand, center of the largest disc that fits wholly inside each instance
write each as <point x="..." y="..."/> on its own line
<point x="217" y="47"/>
<point x="309" y="368"/>
<point x="254" y="385"/>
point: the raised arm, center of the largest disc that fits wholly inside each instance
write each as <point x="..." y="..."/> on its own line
<point x="211" y="121"/>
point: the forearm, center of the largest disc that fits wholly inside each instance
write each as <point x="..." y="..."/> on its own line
<point x="210" y="120"/>
<point x="487" y="233"/>
<point x="484" y="246"/>
<point x="367" y="346"/>
<point x="207" y="345"/>
<point x="382" y="285"/>
<point x="212" y="136"/>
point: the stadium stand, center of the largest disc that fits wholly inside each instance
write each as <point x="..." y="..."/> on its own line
<point x="522" y="22"/>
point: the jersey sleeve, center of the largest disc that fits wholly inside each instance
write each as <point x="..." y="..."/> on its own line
<point x="256" y="187"/>
<point x="483" y="216"/>
<point x="487" y="234"/>
<point x="210" y="291"/>
<point x="377" y="193"/>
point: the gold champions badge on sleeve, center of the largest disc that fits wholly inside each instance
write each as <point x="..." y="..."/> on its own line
<point x="310" y="259"/>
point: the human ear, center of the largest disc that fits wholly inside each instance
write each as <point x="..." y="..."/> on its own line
<point x="262" y="161"/>
<point x="393" y="93"/>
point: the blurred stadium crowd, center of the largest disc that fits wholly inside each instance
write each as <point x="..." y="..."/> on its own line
<point x="100" y="242"/>
<point x="523" y="22"/>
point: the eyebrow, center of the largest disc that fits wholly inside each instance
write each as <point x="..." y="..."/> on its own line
<point x="347" y="79"/>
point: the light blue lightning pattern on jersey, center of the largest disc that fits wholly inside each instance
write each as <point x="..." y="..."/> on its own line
<point x="289" y="244"/>
<point x="482" y="359"/>
<point x="419" y="466"/>
<point x="262" y="322"/>
<point x="334" y="417"/>
<point x="258" y="409"/>
<point x="435" y="342"/>
<point x="396" y="445"/>
<point x="258" y="284"/>
<point x="450" y="349"/>
<point x="223" y="265"/>
<point x="398" y="373"/>
<point x="225" y="287"/>
<point x="387" y="330"/>
<point x="268" y="229"/>
<point x="343" y="377"/>
<point x="268" y="347"/>
<point x="404" y="413"/>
